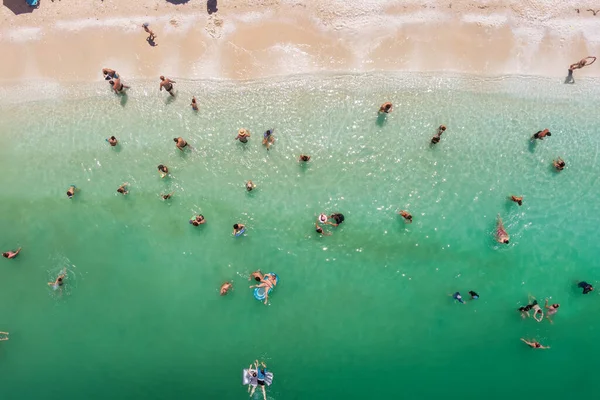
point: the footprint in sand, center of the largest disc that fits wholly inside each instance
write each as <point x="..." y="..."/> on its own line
<point x="214" y="26"/>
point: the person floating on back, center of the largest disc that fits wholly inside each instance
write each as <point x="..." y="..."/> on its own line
<point x="438" y="136"/>
<point x="167" y="84"/>
<point x="501" y="234"/>
<point x="11" y="254"/>
<point x="585" y="286"/>
<point x="517" y="199"/>
<point x="541" y="134"/>
<point x="385" y="108"/>
<point x="559" y="164"/>
<point x="406" y="215"/>
<point x="584" y="62"/>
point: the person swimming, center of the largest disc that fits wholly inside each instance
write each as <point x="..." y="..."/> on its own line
<point x="268" y="282"/>
<point x="541" y="134"/>
<point x="559" y="164"/>
<point x="585" y="286"/>
<point x="180" y="143"/>
<point x="406" y="215"/>
<point x="438" y="136"/>
<point x="256" y="275"/>
<point x="517" y="199"/>
<point x="163" y="170"/>
<point x="268" y="138"/>
<point x="59" y="280"/>
<point x="123" y="189"/>
<point x="534" y="344"/>
<point x="198" y="220"/>
<point x="250" y="186"/>
<point x="304" y="158"/>
<point x="338" y="218"/>
<point x="552" y="309"/>
<point x="194" y="104"/>
<point x="261" y="376"/>
<point x="225" y="288"/>
<point x="525" y="311"/>
<point x="456" y="296"/>
<point x="243" y="135"/>
<point x="237" y="229"/>
<point x="71" y="191"/>
<point x="386" y="108"/>
<point x="11" y="254"/>
<point x="112" y="141"/>
<point x="167" y="196"/>
<point x="501" y="234"/>
<point x="320" y="230"/>
<point x="474" y="296"/>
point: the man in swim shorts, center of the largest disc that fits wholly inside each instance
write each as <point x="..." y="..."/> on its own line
<point x="268" y="138"/>
<point x="534" y="344"/>
<point x="11" y="254"/>
<point x="167" y="84"/>
<point x="541" y="134"/>
<point x="338" y="218"/>
<point x="117" y="86"/>
<point x="180" y="143"/>
<point x="585" y="286"/>
<point x="112" y="141"/>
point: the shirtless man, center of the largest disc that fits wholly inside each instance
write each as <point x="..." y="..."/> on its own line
<point x="406" y="215"/>
<point x="578" y="65"/>
<point x="534" y="344"/>
<point x="123" y="189"/>
<point x="112" y="141"/>
<point x="243" y="135"/>
<point x="225" y="288"/>
<point x="118" y="87"/>
<point x="71" y="191"/>
<point x="109" y="74"/>
<point x="541" y="134"/>
<point x="517" y="199"/>
<point x="559" y="164"/>
<point x="167" y="84"/>
<point x="151" y="34"/>
<point x="501" y="234"/>
<point x="11" y="254"/>
<point x="304" y="158"/>
<point x="180" y="143"/>
<point x="167" y="196"/>
<point x="59" y="280"/>
<point x="163" y="170"/>
<point x="438" y="136"/>
<point x="386" y="108"/>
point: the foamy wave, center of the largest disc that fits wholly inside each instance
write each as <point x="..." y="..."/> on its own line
<point x="22" y="34"/>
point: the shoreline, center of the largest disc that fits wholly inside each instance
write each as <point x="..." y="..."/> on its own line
<point x="249" y="40"/>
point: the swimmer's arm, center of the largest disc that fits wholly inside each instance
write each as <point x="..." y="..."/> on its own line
<point x="546" y="304"/>
<point x="526" y="342"/>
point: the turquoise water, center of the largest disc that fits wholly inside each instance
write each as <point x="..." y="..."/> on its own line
<point x="360" y="314"/>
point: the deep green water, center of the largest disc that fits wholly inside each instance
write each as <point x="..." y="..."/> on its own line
<point x="361" y="314"/>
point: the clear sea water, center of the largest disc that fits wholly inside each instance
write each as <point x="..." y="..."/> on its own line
<point x="364" y="313"/>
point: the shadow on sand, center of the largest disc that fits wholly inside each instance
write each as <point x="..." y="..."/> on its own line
<point x="18" y="6"/>
<point x="211" y="6"/>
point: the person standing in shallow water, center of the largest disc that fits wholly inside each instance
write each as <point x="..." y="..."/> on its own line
<point x="585" y="286"/>
<point x="163" y="170"/>
<point x="71" y="191"/>
<point x="194" y="104"/>
<point x="541" y="134"/>
<point x="559" y="164"/>
<point x="243" y="135"/>
<point x="112" y="141"/>
<point x="304" y="158"/>
<point x="501" y="234"/>
<point x="167" y="84"/>
<point x="123" y="189"/>
<point x="437" y="137"/>
<point x="534" y="344"/>
<point x="180" y="143"/>
<point x="385" y="108"/>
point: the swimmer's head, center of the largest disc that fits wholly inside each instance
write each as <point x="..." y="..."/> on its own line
<point x="319" y="229"/>
<point x="121" y="190"/>
<point x="520" y="202"/>
<point x="175" y="139"/>
<point x="195" y="223"/>
<point x="162" y="78"/>
<point x="505" y="241"/>
<point x="236" y="226"/>
<point x="555" y="305"/>
<point x="522" y="309"/>
<point x="387" y="106"/>
<point x="539" y="311"/>
<point x="442" y="128"/>
<point x="5" y="254"/>
<point x="254" y="374"/>
<point x="536" y="344"/>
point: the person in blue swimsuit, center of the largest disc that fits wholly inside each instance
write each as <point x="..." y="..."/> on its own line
<point x="268" y="138"/>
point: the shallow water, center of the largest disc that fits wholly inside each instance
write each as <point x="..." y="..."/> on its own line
<point x="362" y="313"/>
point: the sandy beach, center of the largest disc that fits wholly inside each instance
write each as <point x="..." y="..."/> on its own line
<point x="245" y="39"/>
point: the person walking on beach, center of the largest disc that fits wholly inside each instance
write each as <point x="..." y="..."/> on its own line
<point x="112" y="141"/>
<point x="167" y="84"/>
<point x="541" y="134"/>
<point x="385" y="108"/>
<point x="243" y="135"/>
<point x="11" y="254"/>
<point x="268" y="138"/>
<point x="163" y="170"/>
<point x="534" y="344"/>
<point x="194" y="104"/>
<point x="585" y="286"/>
<point x="117" y="86"/>
<point x="304" y="158"/>
<point x="225" y="288"/>
<point x="180" y="143"/>
<point x="517" y="199"/>
<point x="438" y="136"/>
<point x="559" y="164"/>
<point x="123" y="189"/>
<point x="151" y="34"/>
<point x="578" y="65"/>
<point x="501" y="234"/>
<point x="552" y="309"/>
<point x="406" y="215"/>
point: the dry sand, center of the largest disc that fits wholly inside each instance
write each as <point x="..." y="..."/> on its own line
<point x="248" y="39"/>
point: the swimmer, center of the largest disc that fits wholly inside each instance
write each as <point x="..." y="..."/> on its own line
<point x="320" y="230"/>
<point x="541" y="134"/>
<point x="71" y="191"/>
<point x="517" y="199"/>
<point x="552" y="309"/>
<point x="257" y="276"/>
<point x="538" y="313"/>
<point x="167" y="84"/>
<point x="525" y="311"/>
<point x="194" y="104"/>
<point x="109" y="74"/>
<point x="252" y="372"/>
<point x="474" y="296"/>
<point x="225" y="288"/>
<point x="163" y="170"/>
<point x="456" y="296"/>
<point x="112" y="141"/>
<point x="437" y="137"/>
<point x="534" y="344"/>
<point x="118" y="86"/>
<point x="237" y="228"/>
<point x="559" y="164"/>
<point x="243" y="135"/>
<point x="501" y="235"/>
<point x="322" y="218"/>
<point x="123" y="189"/>
<point x="268" y="282"/>
<point x="385" y="108"/>
<point x="582" y="63"/>
<point x="406" y="215"/>
<point x="11" y="254"/>
<point x="151" y="34"/>
<point x="304" y="158"/>
<point x="338" y="218"/>
<point x="167" y="196"/>
<point x="198" y="220"/>
<point x="250" y="186"/>
<point x="4" y="338"/>
<point x="260" y="379"/>
<point x="59" y="280"/>
<point x="268" y="138"/>
<point x="180" y="143"/>
<point x="584" y="285"/>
